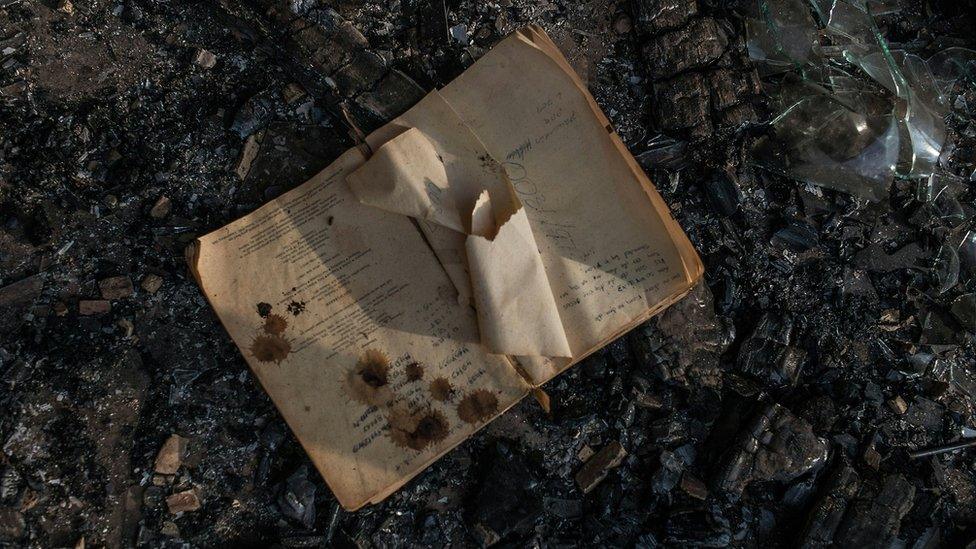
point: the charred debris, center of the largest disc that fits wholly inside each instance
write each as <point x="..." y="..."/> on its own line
<point x="818" y="389"/>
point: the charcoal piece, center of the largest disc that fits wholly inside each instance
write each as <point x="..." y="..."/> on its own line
<point x="738" y="115"/>
<point x="875" y="522"/>
<point x="694" y="487"/>
<point x="698" y="528"/>
<point x="731" y="87"/>
<point x="723" y="194"/>
<point x="297" y="498"/>
<point x="663" y="152"/>
<point x="656" y="16"/>
<point x="694" y="46"/>
<point x="964" y="309"/>
<point x="12" y="525"/>
<point x="697" y="335"/>
<point x="768" y="355"/>
<point x="925" y="414"/>
<point x="839" y="488"/>
<point x="857" y="283"/>
<point x="668" y="474"/>
<point x="327" y="55"/>
<point x="271" y="438"/>
<point x="873" y="258"/>
<point x="777" y="446"/>
<point x="797" y="236"/>
<point x="10" y="482"/>
<point x="683" y="102"/>
<point x="507" y="500"/>
<point x="563" y="508"/>
<point x="598" y="466"/>
<point x="252" y="116"/>
<point x="361" y="73"/>
<point x="393" y="94"/>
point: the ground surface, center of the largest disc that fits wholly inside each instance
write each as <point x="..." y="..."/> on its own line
<point x="777" y="405"/>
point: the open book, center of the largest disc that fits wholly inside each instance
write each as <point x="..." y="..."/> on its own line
<point x="473" y="248"/>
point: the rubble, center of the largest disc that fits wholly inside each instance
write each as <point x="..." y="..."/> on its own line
<point x="161" y="208"/>
<point x="205" y="59"/>
<point x="116" y="287"/>
<point x="89" y="307"/>
<point x="151" y="283"/>
<point x="170" y="456"/>
<point x="183" y="502"/>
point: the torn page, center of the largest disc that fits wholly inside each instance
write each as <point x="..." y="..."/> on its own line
<point x="517" y="312"/>
<point x="351" y="326"/>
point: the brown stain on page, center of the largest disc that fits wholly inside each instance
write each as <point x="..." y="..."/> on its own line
<point x="275" y="324"/>
<point x="441" y="390"/>
<point x="415" y="371"/>
<point x="270" y="348"/>
<point x="417" y="430"/>
<point x="368" y="381"/>
<point x="477" y="406"/>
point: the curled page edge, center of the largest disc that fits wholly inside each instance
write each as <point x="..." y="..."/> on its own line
<point x="517" y="313"/>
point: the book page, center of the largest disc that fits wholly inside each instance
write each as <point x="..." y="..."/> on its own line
<point x="612" y="253"/>
<point x="353" y="328"/>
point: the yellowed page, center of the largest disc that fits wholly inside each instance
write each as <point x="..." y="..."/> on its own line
<point x="352" y="327"/>
<point x="611" y="251"/>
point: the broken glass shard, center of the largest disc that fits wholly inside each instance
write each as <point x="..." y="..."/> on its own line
<point x="824" y="142"/>
<point x="945" y="271"/>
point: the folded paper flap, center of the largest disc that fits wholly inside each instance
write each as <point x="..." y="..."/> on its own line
<point x="517" y="312"/>
<point x="466" y="190"/>
<point x="407" y="176"/>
